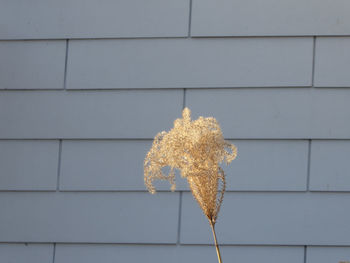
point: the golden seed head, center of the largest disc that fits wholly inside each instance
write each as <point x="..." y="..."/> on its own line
<point x="195" y="148"/>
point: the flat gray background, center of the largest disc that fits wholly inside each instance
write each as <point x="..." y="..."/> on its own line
<point x="85" y="86"/>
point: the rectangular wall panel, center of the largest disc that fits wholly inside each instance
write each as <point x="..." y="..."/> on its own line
<point x="182" y="63"/>
<point x="26" y="253"/>
<point x="328" y="254"/>
<point x="103" y="164"/>
<point x="332" y="62"/>
<point x="89" y="217"/>
<point x="91" y="19"/>
<point x="275" y="113"/>
<point x="271" y="219"/>
<point x="28" y="165"/>
<point x="174" y="254"/>
<point x="270" y="17"/>
<point x="268" y="165"/>
<point x="32" y="64"/>
<point x="107" y="165"/>
<point x="103" y="114"/>
<point x="330" y="167"/>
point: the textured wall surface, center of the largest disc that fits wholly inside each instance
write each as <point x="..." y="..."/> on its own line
<point x="86" y="85"/>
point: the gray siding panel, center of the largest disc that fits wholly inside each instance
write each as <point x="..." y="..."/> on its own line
<point x="107" y="165"/>
<point x="328" y="254"/>
<point x="89" y="217"/>
<point x="268" y="165"/>
<point x="332" y="62"/>
<point x="275" y="113"/>
<point x="270" y="18"/>
<point x="330" y="167"/>
<point x="28" y="165"/>
<point x="175" y="254"/>
<point x="103" y="165"/>
<point x="26" y="253"/>
<point x="42" y="19"/>
<point x="182" y="63"/>
<point x="118" y="165"/>
<point x="32" y="64"/>
<point x="102" y="114"/>
<point x="271" y="219"/>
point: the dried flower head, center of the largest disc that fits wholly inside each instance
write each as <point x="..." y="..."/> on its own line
<point x="195" y="148"/>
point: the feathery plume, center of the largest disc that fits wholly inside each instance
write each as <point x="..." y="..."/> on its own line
<point x="195" y="148"/>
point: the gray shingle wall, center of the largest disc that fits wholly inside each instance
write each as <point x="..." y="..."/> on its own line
<point x="30" y="253"/>
<point x="90" y="19"/>
<point x="270" y="17"/>
<point x="175" y="254"/>
<point x="85" y="87"/>
<point x="32" y="64"/>
<point x="189" y="63"/>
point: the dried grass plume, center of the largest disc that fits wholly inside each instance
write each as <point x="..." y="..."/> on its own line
<point x="195" y="148"/>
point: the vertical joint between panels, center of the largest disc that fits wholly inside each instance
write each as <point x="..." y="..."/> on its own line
<point x="65" y="66"/>
<point x="190" y="19"/>
<point x="54" y="253"/>
<point x="308" y="166"/>
<point x="59" y="165"/>
<point x="313" y="62"/>
<point x="305" y="254"/>
<point x="184" y="99"/>
<point x="179" y="219"/>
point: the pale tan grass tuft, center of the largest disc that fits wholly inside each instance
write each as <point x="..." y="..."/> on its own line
<point x="195" y="148"/>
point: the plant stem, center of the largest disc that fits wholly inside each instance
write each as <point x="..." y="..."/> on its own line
<point x="212" y="225"/>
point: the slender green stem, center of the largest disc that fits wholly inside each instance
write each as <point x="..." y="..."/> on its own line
<point x="212" y="225"/>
